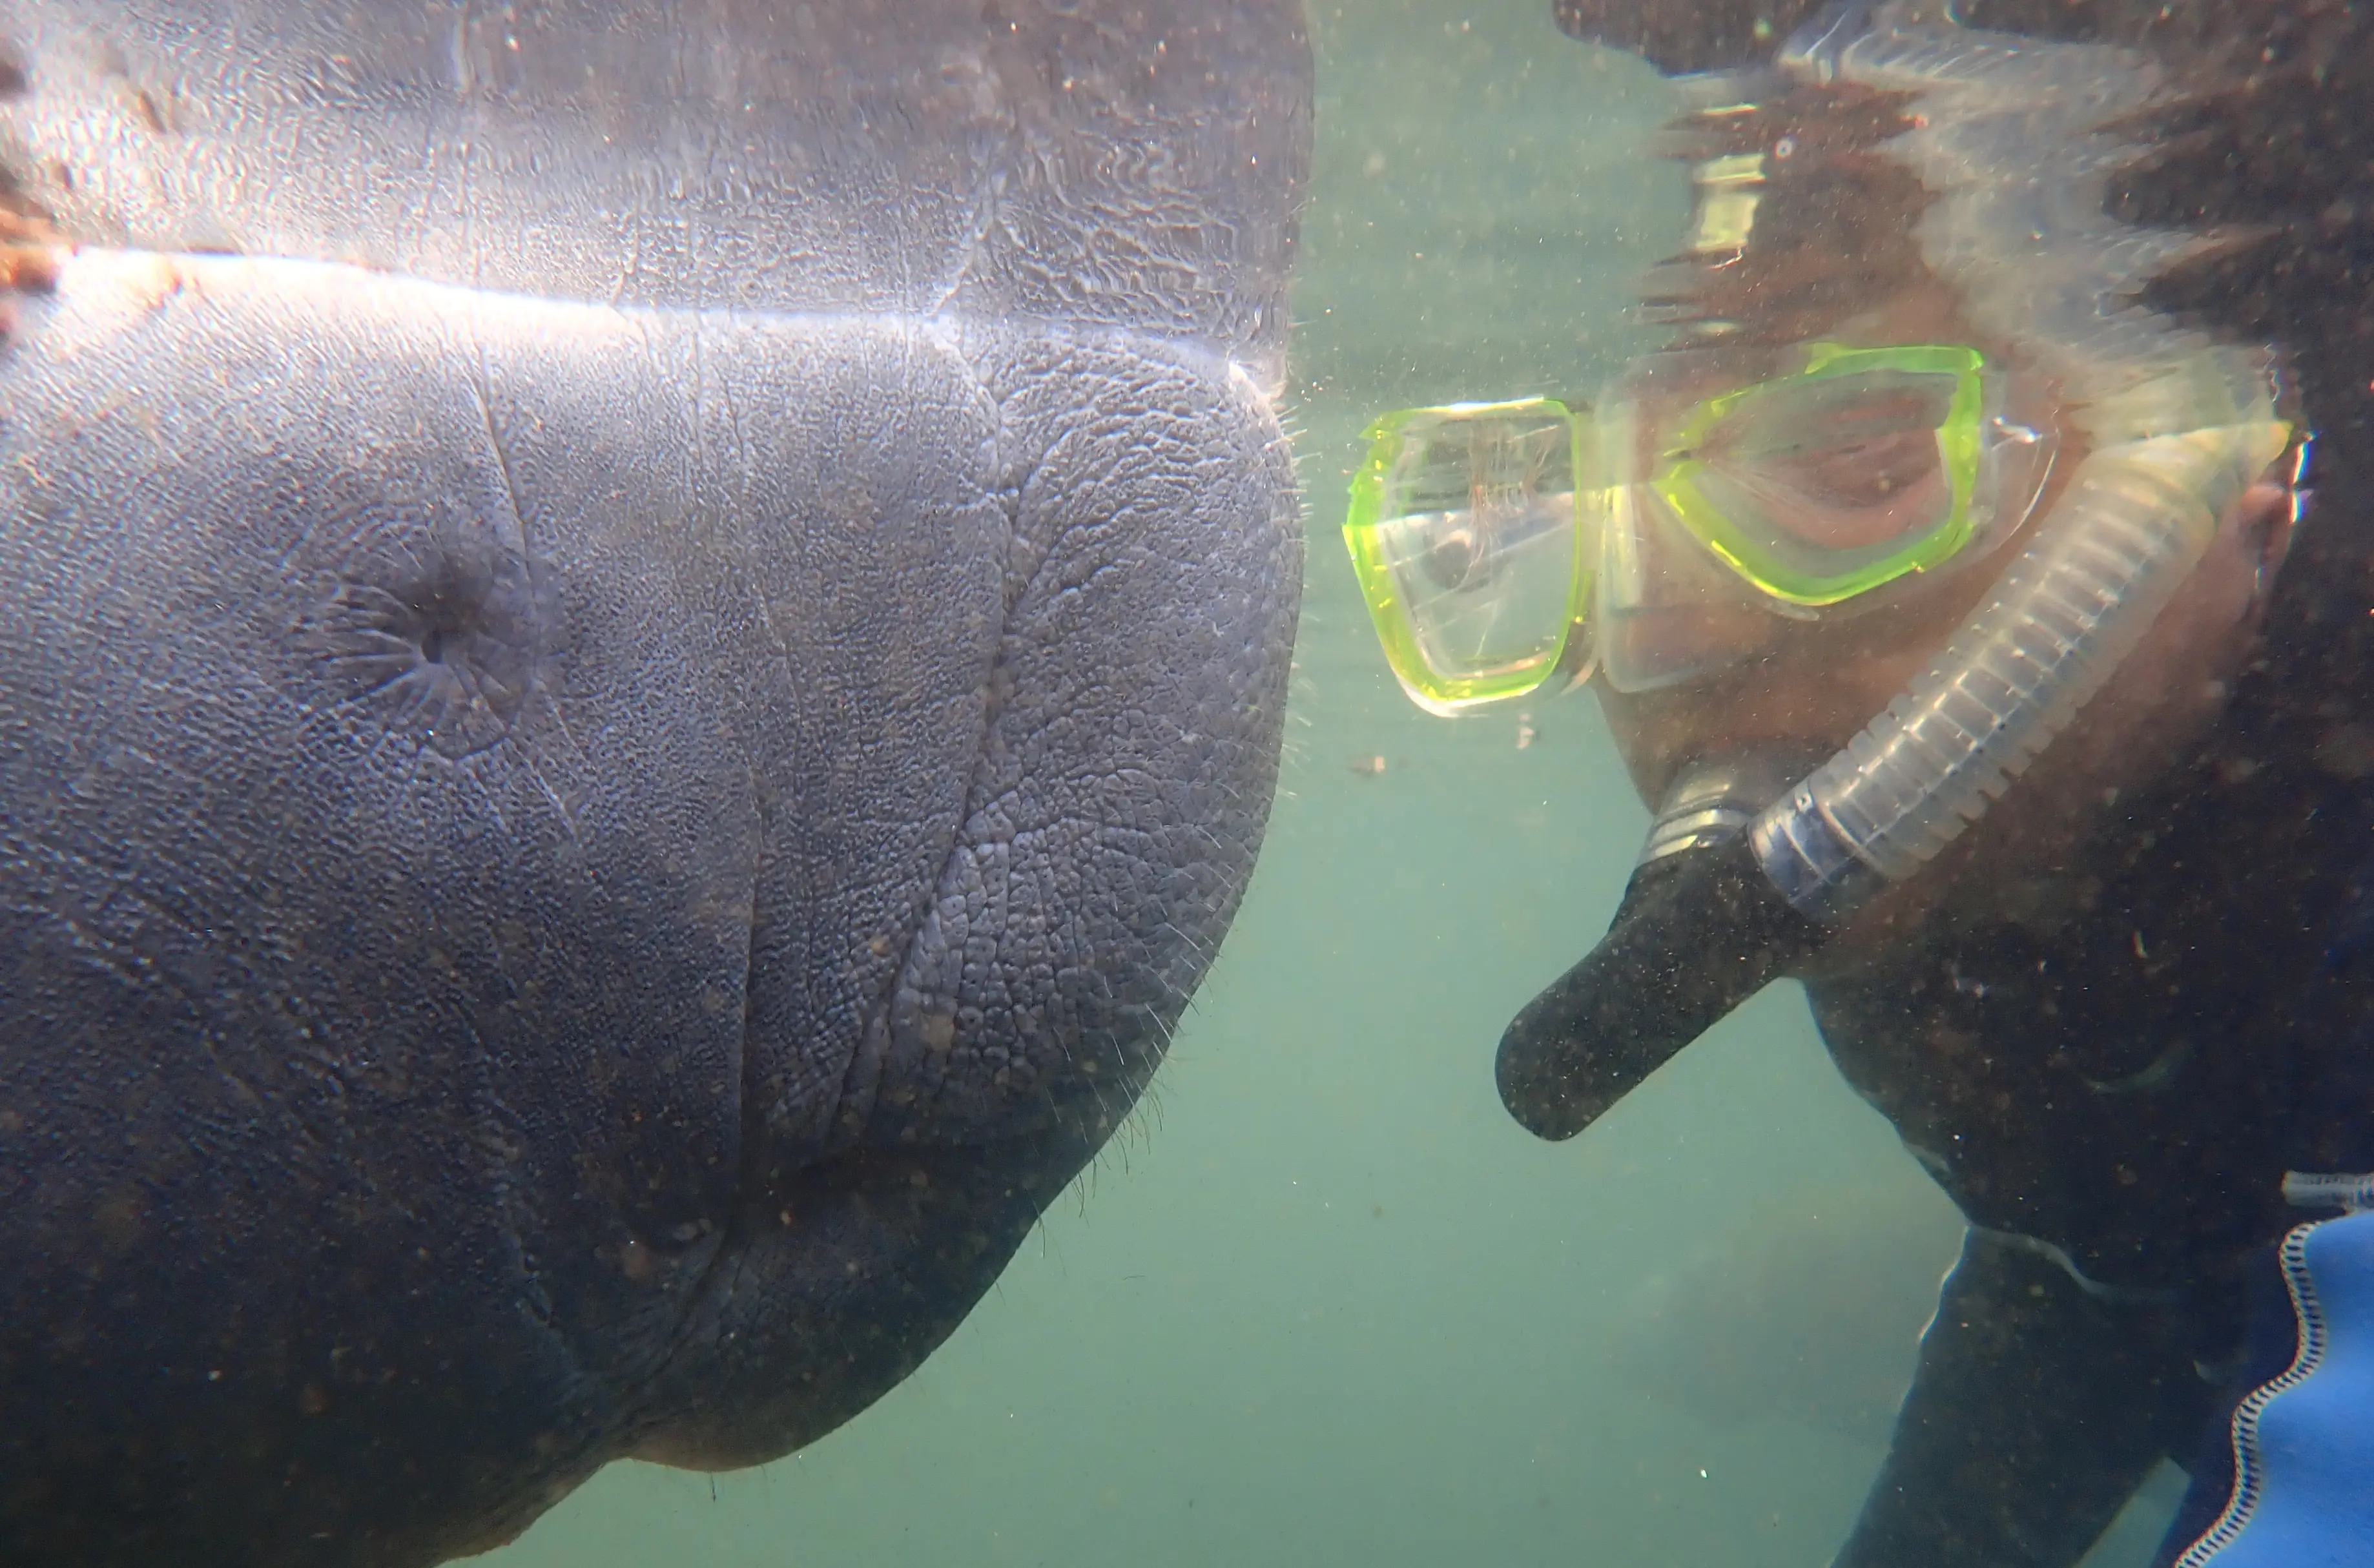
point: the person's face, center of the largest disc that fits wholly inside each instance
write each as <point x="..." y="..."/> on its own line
<point x="1811" y="685"/>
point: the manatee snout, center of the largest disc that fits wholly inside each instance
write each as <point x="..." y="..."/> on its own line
<point x="628" y="712"/>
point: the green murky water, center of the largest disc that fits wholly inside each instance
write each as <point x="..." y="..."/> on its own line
<point x="1323" y="1301"/>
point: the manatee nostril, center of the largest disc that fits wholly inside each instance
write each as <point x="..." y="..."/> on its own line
<point x="436" y="639"/>
<point x="445" y="616"/>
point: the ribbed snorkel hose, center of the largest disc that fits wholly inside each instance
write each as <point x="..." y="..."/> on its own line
<point x="2135" y="523"/>
<point x="2176" y="429"/>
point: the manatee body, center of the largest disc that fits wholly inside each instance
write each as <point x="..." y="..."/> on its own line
<point x="641" y="652"/>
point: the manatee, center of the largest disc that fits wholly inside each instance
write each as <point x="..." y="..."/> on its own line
<point x="642" y="653"/>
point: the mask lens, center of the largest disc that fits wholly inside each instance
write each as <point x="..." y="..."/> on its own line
<point x="1465" y="532"/>
<point x="1838" y="468"/>
<point x="1825" y="485"/>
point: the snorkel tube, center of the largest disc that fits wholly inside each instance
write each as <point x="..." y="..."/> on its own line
<point x="2177" y="428"/>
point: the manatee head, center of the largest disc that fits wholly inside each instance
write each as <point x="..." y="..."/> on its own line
<point x="642" y="653"/>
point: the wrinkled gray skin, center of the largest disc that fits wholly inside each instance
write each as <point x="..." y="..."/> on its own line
<point x="642" y="649"/>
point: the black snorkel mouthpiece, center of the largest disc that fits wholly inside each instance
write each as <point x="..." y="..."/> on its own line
<point x="1702" y="928"/>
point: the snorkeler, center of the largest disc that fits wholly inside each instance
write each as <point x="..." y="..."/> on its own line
<point x="1930" y="584"/>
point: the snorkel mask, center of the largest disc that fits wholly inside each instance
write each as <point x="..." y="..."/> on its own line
<point x="1501" y="546"/>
